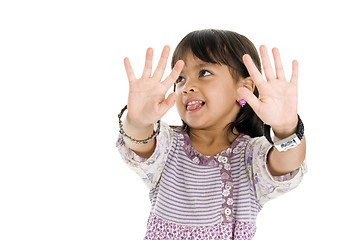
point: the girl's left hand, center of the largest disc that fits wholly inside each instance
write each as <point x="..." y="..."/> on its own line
<point x="277" y="102"/>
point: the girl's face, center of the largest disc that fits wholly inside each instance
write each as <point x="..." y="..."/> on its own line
<point x="206" y="94"/>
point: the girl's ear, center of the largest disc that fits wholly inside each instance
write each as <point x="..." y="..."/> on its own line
<point x="247" y="83"/>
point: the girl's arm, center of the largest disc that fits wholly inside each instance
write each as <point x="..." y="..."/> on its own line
<point x="146" y="100"/>
<point x="277" y="107"/>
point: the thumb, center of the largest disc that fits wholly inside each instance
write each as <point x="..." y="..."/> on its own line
<point x="168" y="103"/>
<point x="251" y="99"/>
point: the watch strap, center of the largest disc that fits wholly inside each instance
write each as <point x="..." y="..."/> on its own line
<point x="289" y="142"/>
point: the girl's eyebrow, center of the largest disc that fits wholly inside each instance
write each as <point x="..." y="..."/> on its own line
<point x="202" y="65"/>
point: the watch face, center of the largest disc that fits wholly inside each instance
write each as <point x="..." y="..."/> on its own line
<point x="287" y="143"/>
<point x="290" y="144"/>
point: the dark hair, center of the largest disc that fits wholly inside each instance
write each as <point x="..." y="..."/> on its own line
<point x="228" y="48"/>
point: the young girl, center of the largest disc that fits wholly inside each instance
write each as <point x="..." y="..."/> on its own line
<point x="209" y="178"/>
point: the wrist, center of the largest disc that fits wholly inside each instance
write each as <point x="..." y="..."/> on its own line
<point x="285" y="137"/>
<point x="138" y="130"/>
<point x="284" y="132"/>
<point x="131" y="123"/>
<point x="286" y="129"/>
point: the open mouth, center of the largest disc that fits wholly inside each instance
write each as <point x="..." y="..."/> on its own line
<point x="195" y="105"/>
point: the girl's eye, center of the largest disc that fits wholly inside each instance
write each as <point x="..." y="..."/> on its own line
<point x="204" y="73"/>
<point x="179" y="80"/>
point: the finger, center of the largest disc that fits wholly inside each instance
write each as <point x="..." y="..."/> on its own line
<point x="278" y="64"/>
<point x="168" y="103"/>
<point x="253" y="71"/>
<point x="148" y="63"/>
<point x="129" y="70"/>
<point x="173" y="76"/>
<point x="250" y="98"/>
<point x="267" y="66"/>
<point x="159" y="71"/>
<point x="294" y="77"/>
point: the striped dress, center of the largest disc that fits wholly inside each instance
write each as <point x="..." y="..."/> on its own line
<point x="206" y="197"/>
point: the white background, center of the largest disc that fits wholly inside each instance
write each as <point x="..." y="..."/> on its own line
<point x="63" y="84"/>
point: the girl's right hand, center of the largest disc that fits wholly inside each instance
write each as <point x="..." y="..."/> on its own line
<point x="146" y="100"/>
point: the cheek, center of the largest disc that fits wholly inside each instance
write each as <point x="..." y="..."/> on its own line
<point x="225" y="102"/>
<point x="222" y="94"/>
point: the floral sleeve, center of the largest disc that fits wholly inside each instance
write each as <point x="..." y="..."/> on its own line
<point x="267" y="186"/>
<point x="149" y="169"/>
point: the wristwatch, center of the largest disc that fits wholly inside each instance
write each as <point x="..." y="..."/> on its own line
<point x="289" y="142"/>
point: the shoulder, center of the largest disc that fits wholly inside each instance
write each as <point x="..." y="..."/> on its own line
<point x="177" y="132"/>
<point x="170" y="135"/>
<point x="177" y="129"/>
<point x="240" y="143"/>
<point x="258" y="143"/>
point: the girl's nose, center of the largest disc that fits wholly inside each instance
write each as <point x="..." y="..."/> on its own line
<point x="189" y="90"/>
<point x="190" y="87"/>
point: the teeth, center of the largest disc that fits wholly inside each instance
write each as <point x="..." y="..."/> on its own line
<point x="194" y="102"/>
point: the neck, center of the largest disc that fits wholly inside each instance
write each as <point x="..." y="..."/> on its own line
<point x="209" y="137"/>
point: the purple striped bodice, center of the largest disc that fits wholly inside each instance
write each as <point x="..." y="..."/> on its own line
<point x="199" y="190"/>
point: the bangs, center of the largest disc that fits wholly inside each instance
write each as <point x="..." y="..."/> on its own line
<point x="207" y="45"/>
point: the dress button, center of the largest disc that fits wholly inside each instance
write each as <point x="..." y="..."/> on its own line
<point x="228" y="186"/>
<point x="224" y="160"/>
<point x="227" y="211"/>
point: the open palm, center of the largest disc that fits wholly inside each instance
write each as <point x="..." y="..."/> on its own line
<point x="146" y="100"/>
<point x="277" y="102"/>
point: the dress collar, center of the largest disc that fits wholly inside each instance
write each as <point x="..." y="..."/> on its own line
<point x="203" y="160"/>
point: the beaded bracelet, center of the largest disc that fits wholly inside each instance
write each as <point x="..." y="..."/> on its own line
<point x="145" y="141"/>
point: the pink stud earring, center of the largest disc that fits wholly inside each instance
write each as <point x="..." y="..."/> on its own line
<point x="242" y="102"/>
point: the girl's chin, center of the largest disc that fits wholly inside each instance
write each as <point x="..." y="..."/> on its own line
<point x="195" y="124"/>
